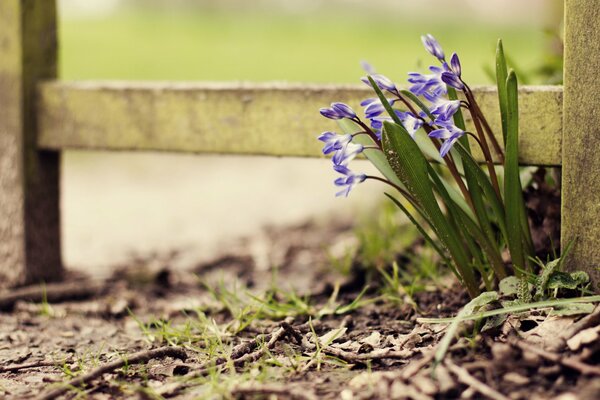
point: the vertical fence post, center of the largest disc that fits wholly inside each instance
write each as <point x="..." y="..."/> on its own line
<point x="581" y="137"/>
<point x="29" y="179"/>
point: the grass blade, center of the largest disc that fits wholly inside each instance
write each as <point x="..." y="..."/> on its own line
<point x="467" y="311"/>
<point x="512" y="309"/>
<point x="501" y="76"/>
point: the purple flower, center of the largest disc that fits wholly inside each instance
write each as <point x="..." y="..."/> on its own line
<point x="383" y="82"/>
<point x="330" y="113"/>
<point x="374" y="107"/>
<point x="444" y="109"/>
<point x="450" y="134"/>
<point x="433" y="47"/>
<point x="411" y="123"/>
<point x="453" y="80"/>
<point x="368" y="68"/>
<point x="333" y="141"/>
<point x="430" y="86"/>
<point x="347" y="153"/>
<point x="455" y="64"/>
<point x="348" y="181"/>
<point x="344" y="110"/>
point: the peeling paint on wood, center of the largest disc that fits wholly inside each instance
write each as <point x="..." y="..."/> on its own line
<point x="581" y="160"/>
<point x="29" y="219"/>
<point x="271" y="119"/>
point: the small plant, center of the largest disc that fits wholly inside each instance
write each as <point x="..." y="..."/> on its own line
<point x="419" y="142"/>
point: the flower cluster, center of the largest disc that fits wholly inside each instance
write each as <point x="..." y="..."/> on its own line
<point x="342" y="147"/>
<point x="458" y="208"/>
<point x="437" y="122"/>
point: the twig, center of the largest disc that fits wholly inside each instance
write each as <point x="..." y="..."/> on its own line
<point x="136" y="358"/>
<point x="362" y="358"/>
<point x="250" y="357"/>
<point x="570" y="362"/>
<point x="51" y="292"/>
<point x="33" y="364"/>
<point x="465" y="377"/>
<point x="277" y="390"/>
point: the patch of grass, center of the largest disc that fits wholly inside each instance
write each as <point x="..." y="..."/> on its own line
<point x="263" y="46"/>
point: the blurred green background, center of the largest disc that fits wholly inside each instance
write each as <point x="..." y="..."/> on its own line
<point x="323" y="43"/>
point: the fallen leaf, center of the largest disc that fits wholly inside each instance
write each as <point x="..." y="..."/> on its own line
<point x="374" y="339"/>
<point x="584" y="337"/>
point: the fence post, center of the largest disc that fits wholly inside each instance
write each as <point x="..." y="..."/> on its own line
<point x="29" y="179"/>
<point x="581" y="137"/>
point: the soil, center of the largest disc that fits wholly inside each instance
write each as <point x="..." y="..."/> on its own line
<point x="207" y="345"/>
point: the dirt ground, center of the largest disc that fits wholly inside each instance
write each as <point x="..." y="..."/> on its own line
<point x="235" y="328"/>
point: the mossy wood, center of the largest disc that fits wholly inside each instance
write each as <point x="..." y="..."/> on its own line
<point x="581" y="135"/>
<point x="29" y="179"/>
<point x="271" y="119"/>
<point x="37" y="121"/>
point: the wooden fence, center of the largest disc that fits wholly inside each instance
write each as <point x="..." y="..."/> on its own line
<point x="41" y="116"/>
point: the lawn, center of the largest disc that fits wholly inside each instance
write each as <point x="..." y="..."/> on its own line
<point x="323" y="47"/>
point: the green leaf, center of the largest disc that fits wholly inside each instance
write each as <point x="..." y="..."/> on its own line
<point x="483" y="299"/>
<point x="472" y="184"/>
<point x="509" y="286"/>
<point x="501" y="76"/>
<point x="513" y="193"/>
<point x="564" y="280"/>
<point x="486" y="186"/>
<point x="549" y="270"/>
<point x="412" y="169"/>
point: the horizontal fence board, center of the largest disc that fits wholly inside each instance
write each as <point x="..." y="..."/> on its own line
<point x="267" y="119"/>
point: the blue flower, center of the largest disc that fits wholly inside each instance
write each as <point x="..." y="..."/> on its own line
<point x="453" y="80"/>
<point x="383" y="82"/>
<point x="344" y="110"/>
<point x="450" y="134"/>
<point x="333" y="141"/>
<point x="338" y="111"/>
<point x="433" y="47"/>
<point x="444" y="110"/>
<point x="455" y="64"/>
<point x="347" y="153"/>
<point x="348" y="181"/>
<point x="367" y="67"/>
<point x="374" y="107"/>
<point x="430" y="86"/>
<point x="330" y="113"/>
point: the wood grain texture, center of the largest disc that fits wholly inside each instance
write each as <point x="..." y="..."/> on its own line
<point x="270" y="119"/>
<point x="581" y="160"/>
<point x="29" y="203"/>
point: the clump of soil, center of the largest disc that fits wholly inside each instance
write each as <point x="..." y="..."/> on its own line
<point x="236" y="328"/>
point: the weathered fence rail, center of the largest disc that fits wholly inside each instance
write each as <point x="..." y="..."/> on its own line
<point x="271" y="119"/>
<point x="40" y="117"/>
